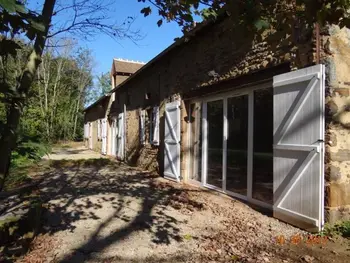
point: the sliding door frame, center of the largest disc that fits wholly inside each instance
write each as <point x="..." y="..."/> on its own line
<point x="249" y="91"/>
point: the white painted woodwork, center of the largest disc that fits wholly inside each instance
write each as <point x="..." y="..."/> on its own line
<point x="120" y="137"/>
<point x="172" y="135"/>
<point x="104" y="136"/>
<point x="298" y="147"/>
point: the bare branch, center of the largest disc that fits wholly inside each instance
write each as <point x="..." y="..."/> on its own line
<point x="88" y="18"/>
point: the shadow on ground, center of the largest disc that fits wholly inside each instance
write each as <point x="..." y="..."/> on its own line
<point x="82" y="179"/>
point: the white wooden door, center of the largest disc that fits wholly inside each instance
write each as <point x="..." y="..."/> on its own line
<point x="120" y="137"/>
<point x="104" y="136"/>
<point x="172" y="141"/>
<point x="299" y="148"/>
<point x="114" y="137"/>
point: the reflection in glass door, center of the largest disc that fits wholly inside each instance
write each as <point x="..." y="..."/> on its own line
<point x="262" y="151"/>
<point x="196" y="142"/>
<point x="214" y="139"/>
<point x="235" y="136"/>
<point x="237" y="143"/>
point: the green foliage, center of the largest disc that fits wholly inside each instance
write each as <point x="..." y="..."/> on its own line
<point x="341" y="228"/>
<point x="51" y="107"/>
<point x="28" y="152"/>
<point x="16" y="19"/>
<point x="255" y="14"/>
<point x="104" y="83"/>
<point x="12" y="6"/>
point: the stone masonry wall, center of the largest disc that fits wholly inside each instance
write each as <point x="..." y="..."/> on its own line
<point x="92" y="115"/>
<point x="336" y="57"/>
<point x="228" y="51"/>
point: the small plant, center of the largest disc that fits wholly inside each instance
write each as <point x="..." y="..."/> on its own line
<point x="340" y="228"/>
<point x="187" y="237"/>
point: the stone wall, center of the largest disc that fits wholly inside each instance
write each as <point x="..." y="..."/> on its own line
<point x="336" y="56"/>
<point x="228" y="52"/>
<point x="92" y="115"/>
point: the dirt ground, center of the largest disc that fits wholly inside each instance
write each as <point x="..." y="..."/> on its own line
<point x="103" y="211"/>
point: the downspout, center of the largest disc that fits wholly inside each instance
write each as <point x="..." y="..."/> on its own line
<point x="318" y="43"/>
<point x="125" y="133"/>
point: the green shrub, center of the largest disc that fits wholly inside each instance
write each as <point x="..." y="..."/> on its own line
<point x="340" y="228"/>
<point x="28" y="152"/>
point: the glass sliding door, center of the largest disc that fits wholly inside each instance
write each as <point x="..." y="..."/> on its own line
<point x="214" y="142"/>
<point x="262" y="150"/>
<point x="196" y="142"/>
<point x="231" y="144"/>
<point x="237" y="143"/>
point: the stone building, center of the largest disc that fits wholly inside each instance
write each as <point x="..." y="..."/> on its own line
<point x="264" y="119"/>
<point x="97" y="127"/>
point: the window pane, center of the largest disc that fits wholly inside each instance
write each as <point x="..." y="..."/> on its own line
<point x="237" y="143"/>
<point x="263" y="140"/>
<point x="215" y="134"/>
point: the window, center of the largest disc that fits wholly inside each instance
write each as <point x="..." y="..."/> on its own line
<point x="142" y="117"/>
<point x="153" y="125"/>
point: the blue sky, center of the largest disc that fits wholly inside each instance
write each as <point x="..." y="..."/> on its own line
<point x="104" y="48"/>
<point x="155" y="38"/>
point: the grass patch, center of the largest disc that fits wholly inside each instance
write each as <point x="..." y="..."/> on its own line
<point x="16" y="178"/>
<point x="24" y="161"/>
<point x="338" y="229"/>
<point x="22" y="175"/>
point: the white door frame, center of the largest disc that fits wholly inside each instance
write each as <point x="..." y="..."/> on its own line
<point x="120" y="136"/>
<point x="113" y="136"/>
<point x="90" y="136"/>
<point x="224" y="96"/>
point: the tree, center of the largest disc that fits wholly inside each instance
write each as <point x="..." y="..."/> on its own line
<point x="87" y="18"/>
<point x="104" y="83"/>
<point x="85" y="62"/>
<point x="259" y="14"/>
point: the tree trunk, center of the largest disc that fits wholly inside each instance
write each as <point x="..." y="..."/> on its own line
<point x="9" y="136"/>
<point x="76" y="118"/>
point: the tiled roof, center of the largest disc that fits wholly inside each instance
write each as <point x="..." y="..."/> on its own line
<point x="126" y="66"/>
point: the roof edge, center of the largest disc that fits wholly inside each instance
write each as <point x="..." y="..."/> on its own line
<point x="97" y="101"/>
<point x="180" y="41"/>
<point x="130" y="61"/>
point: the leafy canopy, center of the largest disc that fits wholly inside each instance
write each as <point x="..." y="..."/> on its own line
<point x="259" y="13"/>
<point x="15" y="18"/>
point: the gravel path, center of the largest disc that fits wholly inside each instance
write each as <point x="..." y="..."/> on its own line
<point x="77" y="153"/>
<point x="104" y="211"/>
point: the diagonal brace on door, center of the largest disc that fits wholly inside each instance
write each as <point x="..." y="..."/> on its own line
<point x="292" y="116"/>
<point x="171" y="128"/>
<point x="286" y="186"/>
<point x="173" y="168"/>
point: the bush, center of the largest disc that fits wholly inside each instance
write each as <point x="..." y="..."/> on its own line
<point x="340" y="228"/>
<point x="29" y="152"/>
